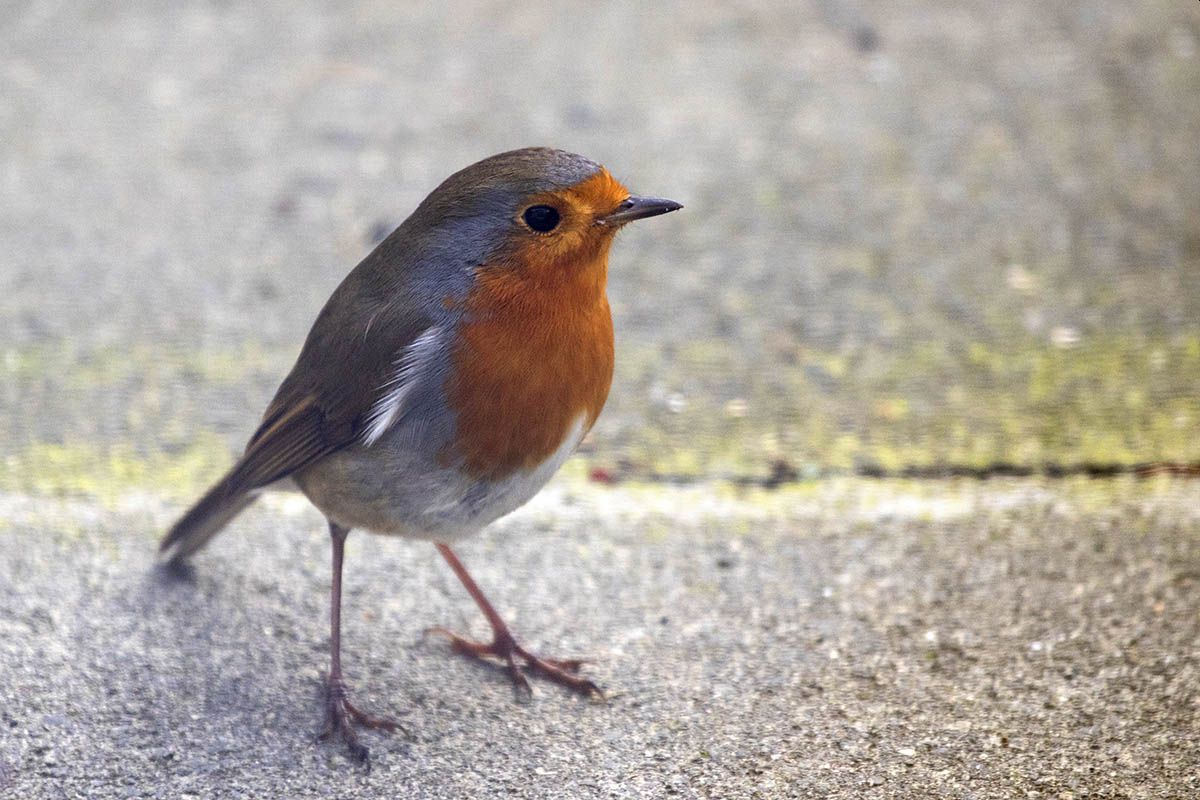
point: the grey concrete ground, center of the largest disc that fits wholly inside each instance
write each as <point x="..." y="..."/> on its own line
<point x="851" y="640"/>
<point x="924" y="233"/>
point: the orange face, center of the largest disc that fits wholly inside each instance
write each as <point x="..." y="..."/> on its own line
<point x="536" y="352"/>
<point x="577" y="239"/>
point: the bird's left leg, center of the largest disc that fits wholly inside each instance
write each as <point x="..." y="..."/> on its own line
<point x="505" y="648"/>
<point x="340" y="714"/>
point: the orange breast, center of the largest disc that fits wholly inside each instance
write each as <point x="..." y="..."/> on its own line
<point x="535" y="355"/>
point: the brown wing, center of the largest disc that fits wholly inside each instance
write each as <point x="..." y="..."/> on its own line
<point x="292" y="436"/>
<point x="322" y="405"/>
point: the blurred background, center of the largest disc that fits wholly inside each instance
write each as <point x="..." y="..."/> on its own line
<point x="927" y="235"/>
<point x="921" y="238"/>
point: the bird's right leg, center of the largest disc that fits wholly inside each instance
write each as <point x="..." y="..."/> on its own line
<point x="340" y="714"/>
<point x="506" y="649"/>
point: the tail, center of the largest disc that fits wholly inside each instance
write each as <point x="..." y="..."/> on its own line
<point x="206" y="518"/>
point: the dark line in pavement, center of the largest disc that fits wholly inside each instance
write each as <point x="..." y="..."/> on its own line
<point x="783" y="473"/>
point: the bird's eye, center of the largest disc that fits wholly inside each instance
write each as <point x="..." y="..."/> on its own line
<point x="542" y="219"/>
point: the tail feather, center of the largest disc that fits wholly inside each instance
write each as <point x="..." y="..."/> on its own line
<point x="296" y="432"/>
<point x="205" y="519"/>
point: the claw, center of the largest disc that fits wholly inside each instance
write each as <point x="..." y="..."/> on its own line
<point x="505" y="649"/>
<point x="341" y="717"/>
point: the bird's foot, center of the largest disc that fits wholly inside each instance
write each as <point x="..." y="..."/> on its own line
<point x="341" y="717"/>
<point x="505" y="649"/>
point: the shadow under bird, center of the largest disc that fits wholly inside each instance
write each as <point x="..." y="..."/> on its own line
<point x="447" y="378"/>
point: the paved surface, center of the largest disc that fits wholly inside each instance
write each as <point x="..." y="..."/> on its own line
<point x="922" y="233"/>
<point x="849" y="640"/>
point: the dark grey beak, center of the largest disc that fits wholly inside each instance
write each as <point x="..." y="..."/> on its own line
<point x="640" y="208"/>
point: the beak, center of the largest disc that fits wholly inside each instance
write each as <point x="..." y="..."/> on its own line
<point x="639" y="208"/>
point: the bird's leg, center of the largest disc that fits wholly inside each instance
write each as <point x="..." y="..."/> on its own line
<point x="505" y="648"/>
<point x="340" y="714"/>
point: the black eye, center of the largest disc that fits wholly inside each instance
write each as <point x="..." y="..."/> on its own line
<point x="542" y="219"/>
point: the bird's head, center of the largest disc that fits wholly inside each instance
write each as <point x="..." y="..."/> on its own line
<point x="536" y="213"/>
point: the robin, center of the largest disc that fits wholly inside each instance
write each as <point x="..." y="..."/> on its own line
<point x="445" y="381"/>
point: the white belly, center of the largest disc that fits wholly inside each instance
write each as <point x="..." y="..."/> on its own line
<point x="387" y="489"/>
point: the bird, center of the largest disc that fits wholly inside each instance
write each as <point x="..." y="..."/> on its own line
<point x="444" y="382"/>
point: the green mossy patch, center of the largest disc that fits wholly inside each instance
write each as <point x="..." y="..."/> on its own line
<point x="702" y="411"/>
<point x="79" y="365"/>
<point x="705" y="411"/>
<point x="108" y="473"/>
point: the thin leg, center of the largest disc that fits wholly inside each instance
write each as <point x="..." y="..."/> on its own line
<point x="340" y="714"/>
<point x="505" y="648"/>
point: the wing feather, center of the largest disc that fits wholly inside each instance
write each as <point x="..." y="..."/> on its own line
<point x="329" y="401"/>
